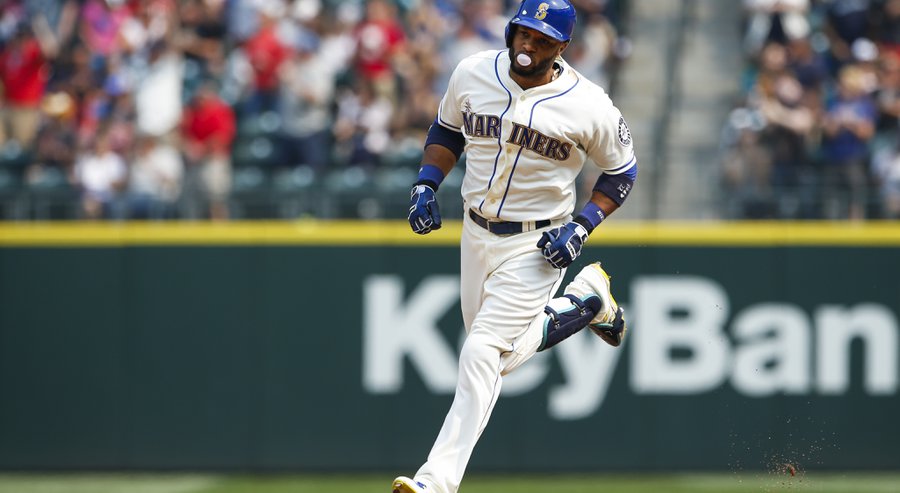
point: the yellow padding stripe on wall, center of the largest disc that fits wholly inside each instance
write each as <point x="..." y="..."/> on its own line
<point x="238" y="233"/>
<point x="397" y="233"/>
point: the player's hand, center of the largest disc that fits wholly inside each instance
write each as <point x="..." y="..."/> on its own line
<point x="562" y="245"/>
<point x="424" y="215"/>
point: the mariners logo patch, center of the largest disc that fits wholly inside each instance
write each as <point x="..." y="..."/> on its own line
<point x="624" y="133"/>
<point x="541" y="11"/>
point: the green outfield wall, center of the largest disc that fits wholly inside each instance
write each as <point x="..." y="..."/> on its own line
<point x="310" y="346"/>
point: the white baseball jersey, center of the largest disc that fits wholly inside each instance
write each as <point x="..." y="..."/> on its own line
<point x="524" y="148"/>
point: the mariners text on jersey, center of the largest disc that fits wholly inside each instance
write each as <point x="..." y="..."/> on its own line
<point x="533" y="140"/>
<point x="481" y="125"/>
<point x="525" y="147"/>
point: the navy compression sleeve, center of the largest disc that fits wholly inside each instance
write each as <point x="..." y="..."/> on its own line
<point x="617" y="187"/>
<point x="454" y="141"/>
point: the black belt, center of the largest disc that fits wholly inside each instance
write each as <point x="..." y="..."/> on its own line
<point x="507" y="227"/>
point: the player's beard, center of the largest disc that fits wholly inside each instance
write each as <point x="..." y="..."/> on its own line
<point x="536" y="69"/>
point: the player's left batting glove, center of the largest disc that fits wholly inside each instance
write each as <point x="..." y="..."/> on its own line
<point x="424" y="214"/>
<point x="562" y="245"/>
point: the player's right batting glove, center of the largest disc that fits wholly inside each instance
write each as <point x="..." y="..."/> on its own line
<point x="424" y="215"/>
<point x="562" y="245"/>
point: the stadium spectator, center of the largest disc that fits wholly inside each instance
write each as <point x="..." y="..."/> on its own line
<point x="747" y="174"/>
<point x="208" y="130"/>
<point x="101" y="28"/>
<point x="55" y="144"/>
<point x="886" y="27"/>
<point x="94" y="105"/>
<point x="362" y="128"/>
<point x="336" y="44"/>
<point x="886" y="173"/>
<point x="808" y="66"/>
<point x="158" y="93"/>
<point x="864" y="56"/>
<point x="788" y="126"/>
<point x="888" y="97"/>
<point x="153" y="22"/>
<point x="56" y="19"/>
<point x="24" y="71"/>
<point x="307" y="90"/>
<point x="427" y="72"/>
<point x="202" y="37"/>
<point x="778" y="21"/>
<point x="849" y="125"/>
<point x="72" y="72"/>
<point x="470" y="36"/>
<point x="597" y="48"/>
<point x="846" y="21"/>
<point x="155" y="179"/>
<point x="101" y="174"/>
<point x="118" y="120"/>
<point x="266" y="53"/>
<point x="773" y="63"/>
<point x="380" y="46"/>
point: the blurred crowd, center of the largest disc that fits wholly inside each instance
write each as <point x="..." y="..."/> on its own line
<point x="816" y="133"/>
<point x="157" y="109"/>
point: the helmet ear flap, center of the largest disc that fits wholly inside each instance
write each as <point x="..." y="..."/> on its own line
<point x="509" y="33"/>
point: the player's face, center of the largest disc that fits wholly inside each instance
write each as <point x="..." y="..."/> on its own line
<point x="542" y="50"/>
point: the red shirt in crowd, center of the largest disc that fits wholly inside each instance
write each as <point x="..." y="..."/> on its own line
<point x="266" y="54"/>
<point x="210" y="122"/>
<point x="23" y="71"/>
<point x="376" y="43"/>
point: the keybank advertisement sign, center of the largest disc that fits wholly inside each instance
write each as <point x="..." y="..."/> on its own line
<point x="334" y="357"/>
<point x="685" y="339"/>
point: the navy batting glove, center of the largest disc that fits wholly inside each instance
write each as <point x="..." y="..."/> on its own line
<point x="562" y="245"/>
<point x="424" y="215"/>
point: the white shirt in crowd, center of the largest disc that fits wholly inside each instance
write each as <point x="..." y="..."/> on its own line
<point x="98" y="174"/>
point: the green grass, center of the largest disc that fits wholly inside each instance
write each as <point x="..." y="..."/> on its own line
<point x="649" y="483"/>
<point x="621" y="483"/>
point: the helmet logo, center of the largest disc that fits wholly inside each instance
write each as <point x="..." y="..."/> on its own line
<point x="541" y="11"/>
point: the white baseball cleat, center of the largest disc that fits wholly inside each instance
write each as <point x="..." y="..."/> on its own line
<point x="609" y="323"/>
<point x="405" y="485"/>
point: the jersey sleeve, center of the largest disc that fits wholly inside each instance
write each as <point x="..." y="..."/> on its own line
<point x="611" y="147"/>
<point x="449" y="115"/>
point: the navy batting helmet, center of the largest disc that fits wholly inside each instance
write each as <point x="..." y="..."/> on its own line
<point x="553" y="18"/>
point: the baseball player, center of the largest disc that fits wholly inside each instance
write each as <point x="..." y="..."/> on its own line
<point x="527" y="122"/>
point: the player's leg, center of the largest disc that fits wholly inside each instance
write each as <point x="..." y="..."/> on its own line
<point x="477" y="389"/>
<point x="587" y="301"/>
<point x="514" y="283"/>
<point x="473" y="273"/>
<point x="474" y="269"/>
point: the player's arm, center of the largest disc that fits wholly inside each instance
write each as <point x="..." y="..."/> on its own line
<point x="613" y="150"/>
<point x="443" y="147"/>
<point x="603" y="202"/>
<point x="442" y="150"/>
<point x="609" y="193"/>
<point x="562" y="245"/>
<point x="441" y="157"/>
<point x="611" y="145"/>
